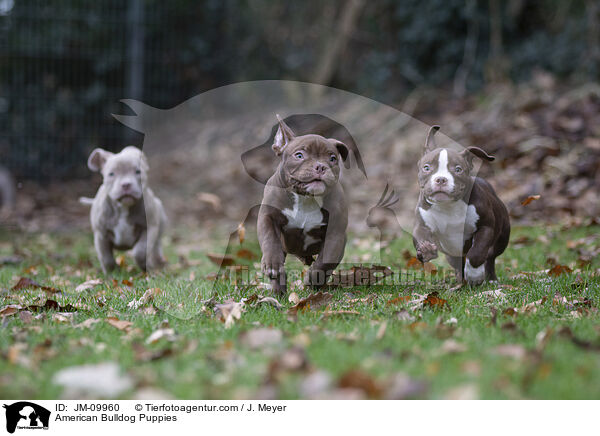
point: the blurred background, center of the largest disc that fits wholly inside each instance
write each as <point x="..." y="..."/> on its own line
<point x="516" y="77"/>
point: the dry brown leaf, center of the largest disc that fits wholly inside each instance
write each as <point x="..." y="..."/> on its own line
<point x="241" y="232"/>
<point x="90" y="284"/>
<point x="212" y="199"/>
<point x="244" y="253"/>
<point x="357" y="379"/>
<point x="294" y="298"/>
<point x="261" y="338"/>
<point x="434" y="300"/>
<point x="26" y="283"/>
<point x="224" y="260"/>
<point x="530" y="199"/>
<point x="87" y="323"/>
<point x="330" y="313"/>
<point x="119" y="324"/>
<point x="121" y="261"/>
<point x="148" y="297"/>
<point x="312" y="302"/>
<point x="228" y="312"/>
<point x="167" y="334"/>
<point x="398" y="300"/>
<point x="10" y="309"/>
<point x="558" y="270"/>
<point x="511" y="350"/>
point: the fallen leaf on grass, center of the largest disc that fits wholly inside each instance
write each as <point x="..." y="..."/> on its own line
<point x="558" y="270"/>
<point x="225" y="260"/>
<point x="434" y="300"/>
<point x="530" y="199"/>
<point x="586" y="345"/>
<point x="492" y="295"/>
<point x="357" y="379"/>
<point x="398" y="300"/>
<point x="228" y="312"/>
<point x="25" y="316"/>
<point x="10" y="309"/>
<point x="246" y="254"/>
<point x="241" y="232"/>
<point x="291" y="360"/>
<point x="167" y="334"/>
<point x="142" y="354"/>
<point x="27" y="283"/>
<point x="331" y="313"/>
<point x="256" y="299"/>
<point x="450" y="346"/>
<point x="261" y="338"/>
<point x="87" y="323"/>
<point x="294" y="298"/>
<point x="511" y="350"/>
<point x="381" y="331"/>
<point x="90" y="284"/>
<point x="103" y="380"/>
<point x="52" y="305"/>
<point x="119" y="324"/>
<point x="403" y="387"/>
<point x="312" y="302"/>
<point x="467" y="391"/>
<point x="145" y="299"/>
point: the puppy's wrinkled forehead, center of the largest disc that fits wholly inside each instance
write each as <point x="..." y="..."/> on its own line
<point x="314" y="145"/>
<point x="130" y="159"/>
<point x="451" y="158"/>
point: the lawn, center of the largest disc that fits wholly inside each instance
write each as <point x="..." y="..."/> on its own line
<point x="534" y="334"/>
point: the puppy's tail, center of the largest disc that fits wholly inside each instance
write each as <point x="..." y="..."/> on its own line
<point x="86" y="200"/>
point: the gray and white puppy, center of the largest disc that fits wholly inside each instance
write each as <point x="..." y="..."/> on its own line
<point x="459" y="214"/>
<point x="125" y="213"/>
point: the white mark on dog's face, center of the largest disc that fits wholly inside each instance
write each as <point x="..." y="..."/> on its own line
<point x="443" y="175"/>
<point x="442" y="180"/>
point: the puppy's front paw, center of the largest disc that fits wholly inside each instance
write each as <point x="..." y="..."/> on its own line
<point x="426" y="251"/>
<point x="474" y="276"/>
<point x="272" y="266"/>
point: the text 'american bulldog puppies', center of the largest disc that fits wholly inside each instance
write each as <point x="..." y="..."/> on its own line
<point x="304" y="210"/>
<point x="459" y="214"/>
<point x="125" y="212"/>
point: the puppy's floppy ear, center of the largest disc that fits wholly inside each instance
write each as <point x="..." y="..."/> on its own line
<point x="469" y="152"/>
<point x="341" y="148"/>
<point x="430" y="141"/>
<point x="98" y="158"/>
<point x="283" y="137"/>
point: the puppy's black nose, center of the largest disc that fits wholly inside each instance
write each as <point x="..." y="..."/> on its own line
<point x="126" y="186"/>
<point x="441" y="180"/>
<point x="320" y="168"/>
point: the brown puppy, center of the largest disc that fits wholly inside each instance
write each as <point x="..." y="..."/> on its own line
<point x="459" y="214"/>
<point x="304" y="210"/>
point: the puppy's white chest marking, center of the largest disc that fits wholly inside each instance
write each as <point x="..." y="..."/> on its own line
<point x="124" y="232"/>
<point x="306" y="215"/>
<point x="451" y="223"/>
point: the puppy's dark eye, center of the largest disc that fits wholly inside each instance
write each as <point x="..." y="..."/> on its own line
<point x="138" y="171"/>
<point x="111" y="174"/>
<point x="333" y="158"/>
<point x="299" y="155"/>
<point x="458" y="169"/>
<point x="426" y="168"/>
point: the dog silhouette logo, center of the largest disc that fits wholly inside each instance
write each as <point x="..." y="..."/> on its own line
<point x="26" y="415"/>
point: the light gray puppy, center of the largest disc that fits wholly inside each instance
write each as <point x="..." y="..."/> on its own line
<point x="125" y="212"/>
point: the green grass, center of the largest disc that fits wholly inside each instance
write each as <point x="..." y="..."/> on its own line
<point x="207" y="360"/>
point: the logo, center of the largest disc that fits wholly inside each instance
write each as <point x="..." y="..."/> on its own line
<point x="26" y="415"/>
